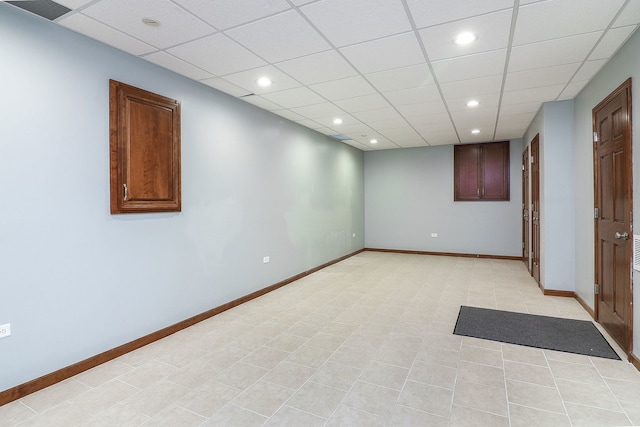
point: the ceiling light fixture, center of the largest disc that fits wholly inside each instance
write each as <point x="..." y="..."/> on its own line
<point x="475" y="131"/>
<point x="465" y="38"/>
<point x="374" y="141"/>
<point x="264" y="81"/>
<point x="150" y="22"/>
<point x="473" y="103"/>
<point x="337" y="121"/>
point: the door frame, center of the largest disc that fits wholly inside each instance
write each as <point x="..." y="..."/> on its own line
<point x="526" y="225"/>
<point x="626" y="86"/>
<point x="535" y="252"/>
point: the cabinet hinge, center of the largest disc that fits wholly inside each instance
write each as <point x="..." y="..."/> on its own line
<point x="523" y="168"/>
<point x="596" y="213"/>
<point x="596" y="289"/>
<point x="532" y="160"/>
<point x="595" y="137"/>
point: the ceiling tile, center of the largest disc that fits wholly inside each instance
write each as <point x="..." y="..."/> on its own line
<point x="73" y="4"/>
<point x="472" y="87"/>
<point x="525" y="107"/>
<point x="566" y="50"/>
<point x="172" y="63"/>
<point x="563" y="18"/>
<point x="542" y="94"/>
<point x="101" y="32"/>
<point x="486" y="100"/>
<point x="572" y="90"/>
<point x="475" y="117"/>
<point x="470" y="66"/>
<point x="363" y="103"/>
<point x="247" y="80"/>
<point x="375" y="115"/>
<point x="287" y="114"/>
<point x="385" y="123"/>
<point x="360" y="145"/>
<point x="540" y="77"/>
<point x="589" y="69"/>
<point x="217" y="54"/>
<point x="401" y="78"/>
<point x="517" y="117"/>
<point x="225" y="86"/>
<point x="308" y="123"/>
<point x="413" y="96"/>
<point x="385" y="54"/>
<point x="323" y="109"/>
<point x="355" y="21"/>
<point x="434" y="12"/>
<point x="176" y="25"/>
<point x="492" y="30"/>
<point x="350" y="87"/>
<point x="630" y="15"/>
<point x="318" y="68"/>
<point x="419" y="110"/>
<point x="411" y="142"/>
<point x="293" y="98"/>
<point x="347" y="122"/>
<point x="223" y="14"/>
<point x="611" y="42"/>
<point x="259" y="101"/>
<point x="271" y="38"/>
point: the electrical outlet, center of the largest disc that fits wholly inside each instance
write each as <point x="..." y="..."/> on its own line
<point x="265" y="260"/>
<point x="434" y="234"/>
<point x="5" y="330"/>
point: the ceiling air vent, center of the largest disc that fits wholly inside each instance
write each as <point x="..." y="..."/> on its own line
<point x="45" y="8"/>
<point x="340" y="137"/>
<point x="636" y="252"/>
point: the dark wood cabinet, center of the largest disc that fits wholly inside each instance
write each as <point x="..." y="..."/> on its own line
<point x="144" y="151"/>
<point x="481" y="172"/>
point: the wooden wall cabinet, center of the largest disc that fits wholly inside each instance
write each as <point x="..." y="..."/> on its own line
<point x="481" y="172"/>
<point x="144" y="137"/>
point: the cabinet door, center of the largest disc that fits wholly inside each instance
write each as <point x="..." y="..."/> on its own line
<point x="495" y="176"/>
<point x="467" y="172"/>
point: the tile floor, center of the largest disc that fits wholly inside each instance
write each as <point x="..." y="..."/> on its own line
<point x="365" y="342"/>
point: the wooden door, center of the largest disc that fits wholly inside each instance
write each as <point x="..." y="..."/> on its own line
<point x="525" y="207"/>
<point x="613" y="202"/>
<point x="535" y="208"/>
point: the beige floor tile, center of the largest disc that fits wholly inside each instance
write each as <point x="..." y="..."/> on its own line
<point x="468" y="417"/>
<point x="596" y="395"/>
<point x="290" y="375"/>
<point x="156" y="397"/>
<point x="317" y="399"/>
<point x="483" y="356"/>
<point x="64" y="415"/>
<point x="371" y="398"/>
<point x="15" y="412"/>
<point x="196" y="373"/>
<point x="118" y="415"/>
<point x="562" y="356"/>
<point x="442" y="340"/>
<point x="346" y="416"/>
<point x="266" y="357"/>
<point x="523" y="416"/>
<point x="237" y="417"/>
<point x="427" y="398"/>
<point x="241" y="375"/>
<point x="384" y="374"/>
<point x="180" y="356"/>
<point x="409" y="417"/>
<point x="481" y="397"/>
<point x="369" y="343"/>
<point x="351" y="356"/>
<point x="207" y="399"/>
<point x="535" y="396"/>
<point x="481" y="374"/>
<point x="337" y="375"/>
<point x="572" y="372"/>
<point x="523" y="354"/>
<point x="632" y="409"/>
<point x="174" y="416"/>
<point x="291" y="417"/>
<point x="624" y="390"/>
<point x="310" y="356"/>
<point x="304" y="330"/>
<point x="287" y="342"/>
<point x="148" y="373"/>
<point x="616" y="369"/>
<point x="584" y="416"/>
<point x="103" y="373"/>
<point x="435" y="375"/>
<point x="324" y="341"/>
<point x="52" y="396"/>
<point x="264" y="398"/>
<point x="528" y="373"/>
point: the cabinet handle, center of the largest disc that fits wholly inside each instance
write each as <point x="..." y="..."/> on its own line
<point x="126" y="192"/>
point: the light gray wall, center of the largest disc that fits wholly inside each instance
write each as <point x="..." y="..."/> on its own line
<point x="554" y="124"/>
<point x="409" y="195"/>
<point x="76" y="281"/>
<point x="625" y="64"/>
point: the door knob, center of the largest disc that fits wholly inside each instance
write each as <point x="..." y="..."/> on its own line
<point x="623" y="236"/>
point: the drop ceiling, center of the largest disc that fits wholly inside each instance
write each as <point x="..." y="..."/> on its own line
<point x="389" y="69"/>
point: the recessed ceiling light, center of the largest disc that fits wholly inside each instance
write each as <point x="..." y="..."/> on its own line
<point x="151" y="22"/>
<point x="475" y="131"/>
<point x="374" y="141"/>
<point x="264" y="81"/>
<point x="465" y="38"/>
<point x="473" y="103"/>
<point x="337" y="121"/>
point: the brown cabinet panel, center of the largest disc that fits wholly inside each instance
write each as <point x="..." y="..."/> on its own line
<point x="481" y="171"/>
<point x="145" y="151"/>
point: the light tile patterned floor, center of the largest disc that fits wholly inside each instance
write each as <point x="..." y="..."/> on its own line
<point x="365" y="342"/>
